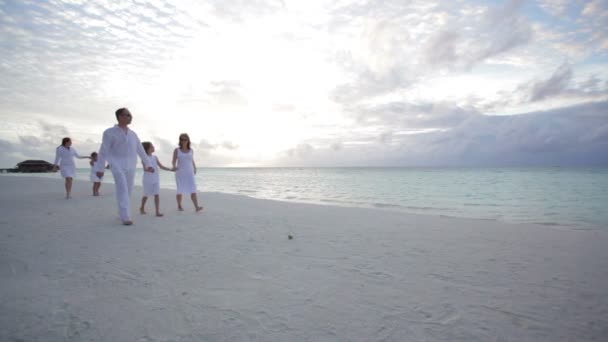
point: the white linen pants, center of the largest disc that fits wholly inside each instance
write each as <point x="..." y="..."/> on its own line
<point x="123" y="180"/>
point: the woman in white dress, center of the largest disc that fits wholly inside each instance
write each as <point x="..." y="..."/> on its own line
<point x="185" y="169"/>
<point x="64" y="161"/>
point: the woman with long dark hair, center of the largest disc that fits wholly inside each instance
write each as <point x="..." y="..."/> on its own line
<point x="185" y="169"/>
<point x="64" y="161"/>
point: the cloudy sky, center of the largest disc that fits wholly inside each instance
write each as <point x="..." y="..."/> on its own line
<point x="311" y="83"/>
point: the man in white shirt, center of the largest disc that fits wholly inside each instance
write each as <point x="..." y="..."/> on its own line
<point x="120" y="147"/>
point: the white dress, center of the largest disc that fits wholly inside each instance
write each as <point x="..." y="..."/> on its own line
<point x="93" y="176"/>
<point x="184" y="176"/>
<point x="151" y="180"/>
<point x="64" y="157"/>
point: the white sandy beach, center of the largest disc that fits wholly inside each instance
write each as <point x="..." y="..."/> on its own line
<point x="71" y="272"/>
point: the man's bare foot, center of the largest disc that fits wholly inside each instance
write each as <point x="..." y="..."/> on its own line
<point x="199" y="209"/>
<point x="142" y="211"/>
<point x="180" y="208"/>
<point x="127" y="222"/>
<point x="159" y="215"/>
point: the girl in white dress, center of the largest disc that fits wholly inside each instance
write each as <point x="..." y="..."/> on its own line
<point x="151" y="180"/>
<point x="64" y="161"/>
<point x="185" y="169"/>
<point x="96" y="180"/>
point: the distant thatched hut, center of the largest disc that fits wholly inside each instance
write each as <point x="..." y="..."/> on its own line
<point x="34" y="166"/>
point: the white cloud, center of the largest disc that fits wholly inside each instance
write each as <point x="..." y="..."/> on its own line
<point x="555" y="85"/>
<point x="566" y="137"/>
<point x="555" y="7"/>
<point x="443" y="39"/>
<point x="253" y="79"/>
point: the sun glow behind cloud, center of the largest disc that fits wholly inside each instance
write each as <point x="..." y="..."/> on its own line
<point x="273" y="96"/>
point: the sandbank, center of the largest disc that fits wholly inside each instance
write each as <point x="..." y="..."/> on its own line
<point x="71" y="272"/>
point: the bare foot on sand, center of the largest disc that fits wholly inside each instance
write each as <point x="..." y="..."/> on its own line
<point x="142" y="211"/>
<point x="199" y="209"/>
<point x="159" y="215"/>
<point x="127" y="222"/>
<point x="180" y="208"/>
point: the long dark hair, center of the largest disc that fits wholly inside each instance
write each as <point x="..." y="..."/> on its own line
<point x="183" y="136"/>
<point x="65" y="141"/>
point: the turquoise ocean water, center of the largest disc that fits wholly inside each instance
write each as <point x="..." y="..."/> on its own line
<point x="569" y="197"/>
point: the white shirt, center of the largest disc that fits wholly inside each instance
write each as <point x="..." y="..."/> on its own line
<point x="120" y="150"/>
<point x="152" y="177"/>
<point x="65" y="156"/>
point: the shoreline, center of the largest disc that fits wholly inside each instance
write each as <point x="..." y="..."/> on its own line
<point x="384" y="207"/>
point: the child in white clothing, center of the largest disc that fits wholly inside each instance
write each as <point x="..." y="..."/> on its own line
<point x="96" y="180"/>
<point x="151" y="180"/>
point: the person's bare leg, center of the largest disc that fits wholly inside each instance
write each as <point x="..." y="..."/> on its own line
<point x="178" y="197"/>
<point x="195" y="202"/>
<point x="142" y="209"/>
<point x="96" y="188"/>
<point x="68" y="187"/>
<point x="157" y="205"/>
